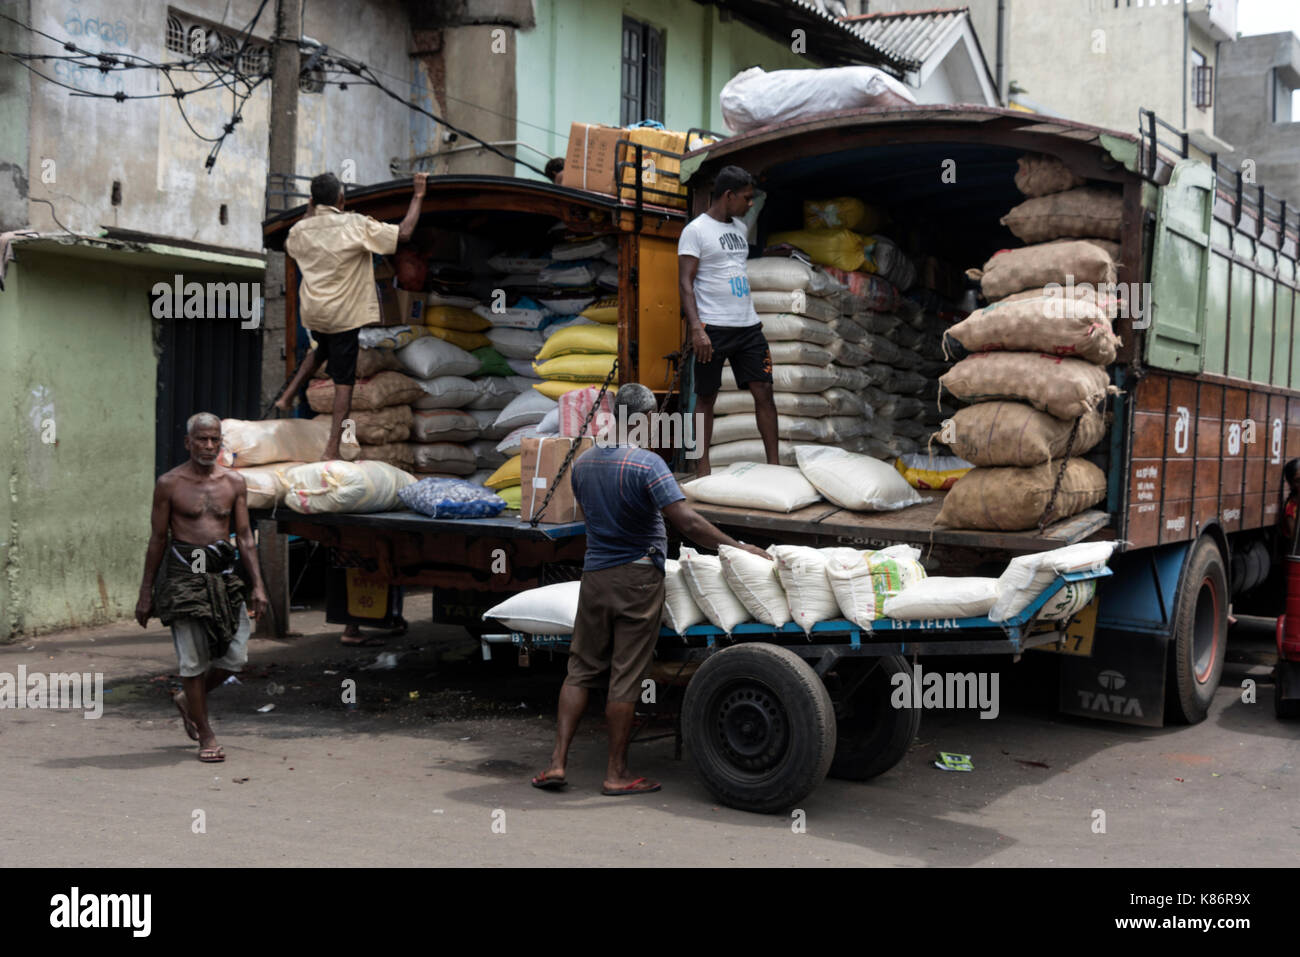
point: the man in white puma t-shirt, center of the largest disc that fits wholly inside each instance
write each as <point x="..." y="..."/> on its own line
<point x="720" y="314"/>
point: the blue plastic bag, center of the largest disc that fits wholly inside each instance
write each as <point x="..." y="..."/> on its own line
<point x="451" y="498"/>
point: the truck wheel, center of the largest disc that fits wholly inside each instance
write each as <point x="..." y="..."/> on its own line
<point x="1200" y="632"/>
<point x="871" y="734"/>
<point x="760" y="726"/>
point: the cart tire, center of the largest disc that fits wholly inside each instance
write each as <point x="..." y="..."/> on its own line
<point x="871" y="734"/>
<point x="760" y="727"/>
<point x="1198" y="648"/>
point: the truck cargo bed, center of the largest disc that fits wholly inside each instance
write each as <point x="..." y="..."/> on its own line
<point x="506" y="525"/>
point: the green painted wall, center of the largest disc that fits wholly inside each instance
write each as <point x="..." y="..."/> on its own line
<point x="79" y="350"/>
<point x="568" y="66"/>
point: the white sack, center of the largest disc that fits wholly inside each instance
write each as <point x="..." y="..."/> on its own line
<point x="854" y="481"/>
<point x="549" y="610"/>
<point x="680" y="610"/>
<point x="1027" y="575"/>
<point x="703" y="574"/>
<point x="943" y="598"/>
<point x="319" y="487"/>
<point x="802" y="571"/>
<point x="755" y="582"/>
<point x="773" y="488"/>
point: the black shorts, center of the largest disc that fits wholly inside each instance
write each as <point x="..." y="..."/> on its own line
<point x="339" y="349"/>
<point x="744" y="347"/>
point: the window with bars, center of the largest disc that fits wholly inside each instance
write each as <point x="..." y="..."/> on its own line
<point x="642" y="96"/>
<point x="197" y="40"/>
<point x="1202" y="82"/>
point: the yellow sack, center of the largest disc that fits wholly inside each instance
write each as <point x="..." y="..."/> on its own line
<point x="655" y="167"/>
<point x="580" y="339"/>
<point x="469" y="341"/>
<point x="841" y="248"/>
<point x="576" y="368"/>
<point x="454" y="317"/>
<point x="513" y="494"/>
<point x="842" y="212"/>
<point x="937" y="472"/>
<point x="602" y="310"/>
<point x="508" y="474"/>
<point x="554" y="389"/>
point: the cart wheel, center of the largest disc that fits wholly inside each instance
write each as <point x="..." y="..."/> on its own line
<point x="1200" y="634"/>
<point x="872" y="734"/>
<point x="760" y="726"/>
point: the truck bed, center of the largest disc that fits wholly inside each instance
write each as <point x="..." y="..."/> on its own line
<point x="506" y="525"/>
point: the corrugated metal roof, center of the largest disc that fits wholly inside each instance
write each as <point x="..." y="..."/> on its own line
<point x="833" y="39"/>
<point x="910" y="36"/>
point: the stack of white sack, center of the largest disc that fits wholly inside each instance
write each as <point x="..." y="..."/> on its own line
<point x="263" y="451"/>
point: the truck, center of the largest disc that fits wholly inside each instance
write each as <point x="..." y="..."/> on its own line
<point x="1204" y="414"/>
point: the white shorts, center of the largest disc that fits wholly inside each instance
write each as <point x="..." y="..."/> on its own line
<point x="192" y="646"/>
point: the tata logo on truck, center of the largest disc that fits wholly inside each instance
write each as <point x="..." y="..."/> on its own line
<point x="1104" y="703"/>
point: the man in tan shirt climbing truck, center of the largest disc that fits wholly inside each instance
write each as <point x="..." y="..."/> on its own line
<point x="332" y="250"/>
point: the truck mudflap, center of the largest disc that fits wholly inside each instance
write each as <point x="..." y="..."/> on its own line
<point x="1123" y="679"/>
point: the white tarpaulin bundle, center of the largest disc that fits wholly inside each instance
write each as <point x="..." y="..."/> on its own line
<point x="345" y="487"/>
<point x="278" y="440"/>
<point x="754" y="97"/>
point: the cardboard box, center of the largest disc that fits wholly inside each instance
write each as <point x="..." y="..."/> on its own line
<point x="389" y="312"/>
<point x="590" y="162"/>
<point x="660" y="174"/>
<point x="537" y="471"/>
<point x="410" y="306"/>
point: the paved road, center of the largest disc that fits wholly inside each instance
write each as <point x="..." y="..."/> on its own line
<point x="441" y="779"/>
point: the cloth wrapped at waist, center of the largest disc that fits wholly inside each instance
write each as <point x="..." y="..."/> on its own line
<point x="201" y="584"/>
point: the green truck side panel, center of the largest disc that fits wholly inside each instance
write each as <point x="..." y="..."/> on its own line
<point x="1240" y="289"/>
<point x="1216" y="303"/>
<point x="78" y="357"/>
<point x="1179" y="268"/>
<point x="1261" y="366"/>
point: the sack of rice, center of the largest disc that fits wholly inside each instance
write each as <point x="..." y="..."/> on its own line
<point x="1040" y="325"/>
<point x="580" y="339"/>
<point x="840" y="248"/>
<point x="516" y="343"/>
<point x="802" y="571"/>
<point x="845" y="402"/>
<point x="380" y="390"/>
<point x="853" y="481"/>
<point x="1014" y="499"/>
<point x="448" y="392"/>
<point x="703" y="575"/>
<point x="266" y="484"/>
<point x="549" y="610"/>
<point x="680" y="609"/>
<point x="850" y="377"/>
<point x="848" y="330"/>
<point x="748" y="450"/>
<point x="932" y="472"/>
<point x="577" y="367"/>
<point x="497" y="392"/>
<point x="933" y="598"/>
<point x="486" y="419"/>
<point x="1012" y="433"/>
<point x="443" y="425"/>
<point x="391" y="424"/>
<point x="1040" y="174"/>
<point x="755" y="582"/>
<point x="527" y="408"/>
<point x="772" y="488"/>
<point x="736" y="428"/>
<point x="389" y="337"/>
<point x="1026" y="576"/>
<point x="843" y="212"/>
<point x="841" y="428"/>
<point x="885" y="258"/>
<point x="344" y="487"/>
<point x="863" y="581"/>
<point x="741" y="401"/>
<point x="397" y="454"/>
<point x="792" y="378"/>
<point x="845" y="353"/>
<point x="278" y="440"/>
<point x="798" y="353"/>
<point x="786" y="326"/>
<point x="524" y="314"/>
<point x="486" y="455"/>
<point x="1094" y="212"/>
<point x="1009" y="271"/>
<point x="1066" y="388"/>
<point x="447" y="458"/>
<point x="783" y="274"/>
<point x="796" y="302"/>
<point x="455" y="317"/>
<point x="370" y="361"/>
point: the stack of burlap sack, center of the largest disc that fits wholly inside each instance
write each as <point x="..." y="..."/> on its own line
<point x="277" y="459"/>
<point x="1035" y="358"/>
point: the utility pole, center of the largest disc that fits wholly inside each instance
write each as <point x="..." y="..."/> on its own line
<point x="273" y="548"/>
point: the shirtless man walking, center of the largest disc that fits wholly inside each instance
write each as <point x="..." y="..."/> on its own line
<point x="202" y="597"/>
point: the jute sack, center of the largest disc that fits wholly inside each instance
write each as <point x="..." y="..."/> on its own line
<point x="737" y="428"/>
<point x="1014" y="499"/>
<point x="380" y="390"/>
<point x="1012" y="433"/>
<point x="370" y="361"/>
<point x="397" y="454"/>
<point x="787" y="403"/>
<point x="1089" y="211"/>
<point x="1078" y="260"/>
<point x="391" y="424"/>
<point x="1040" y="174"/>
<point x="1056" y="326"/>
<point x="1067" y="388"/>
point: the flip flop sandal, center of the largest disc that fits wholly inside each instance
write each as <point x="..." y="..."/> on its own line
<point x="549" y="784"/>
<point x="191" y="728"/>
<point x="212" y="755"/>
<point x="633" y="788"/>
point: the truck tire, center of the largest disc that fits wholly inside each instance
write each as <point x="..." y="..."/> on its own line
<point x="1197" y="650"/>
<point x="871" y="734"/>
<point x="760" y="727"/>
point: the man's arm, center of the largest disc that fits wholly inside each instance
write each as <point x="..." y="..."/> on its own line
<point x="700" y="530"/>
<point x="248" y="550"/>
<point x="159" y="519"/>
<point x="406" y="228"/>
<point x="687" y="268"/>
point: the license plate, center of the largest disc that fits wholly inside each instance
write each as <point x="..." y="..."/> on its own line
<point x="1079" y="634"/>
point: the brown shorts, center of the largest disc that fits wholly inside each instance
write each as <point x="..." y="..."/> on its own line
<point x="618" y="621"/>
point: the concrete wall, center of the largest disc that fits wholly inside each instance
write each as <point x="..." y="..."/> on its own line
<point x="569" y="64"/>
<point x="146" y="146"/>
<point x="1245" y="114"/>
<point x="15" y="104"/>
<point x="74" y="519"/>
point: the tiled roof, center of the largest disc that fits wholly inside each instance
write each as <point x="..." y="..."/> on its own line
<point x="912" y="35"/>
